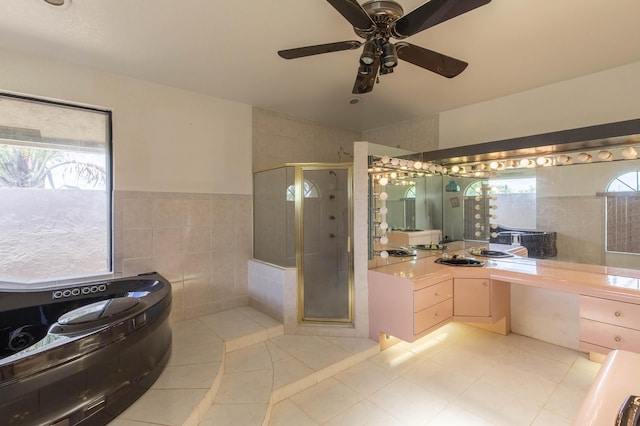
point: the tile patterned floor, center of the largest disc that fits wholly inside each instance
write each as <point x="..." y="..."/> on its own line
<point x="237" y="368"/>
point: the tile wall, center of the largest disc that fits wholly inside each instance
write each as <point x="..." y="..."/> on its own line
<point x="199" y="242"/>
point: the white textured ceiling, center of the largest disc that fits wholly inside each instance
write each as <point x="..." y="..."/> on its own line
<point x="228" y="49"/>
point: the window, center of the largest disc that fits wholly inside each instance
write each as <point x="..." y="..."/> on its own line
<point x="309" y="189"/>
<point x="410" y="192"/>
<point x="55" y="187"/>
<point x="623" y="213"/>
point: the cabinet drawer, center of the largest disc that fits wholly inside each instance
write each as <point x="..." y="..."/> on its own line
<point x="610" y="311"/>
<point x="609" y="336"/>
<point x="433" y="315"/>
<point x="432" y="295"/>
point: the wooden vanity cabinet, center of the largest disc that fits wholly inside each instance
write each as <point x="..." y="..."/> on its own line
<point x="606" y="325"/>
<point x="481" y="300"/>
<point x="408" y="309"/>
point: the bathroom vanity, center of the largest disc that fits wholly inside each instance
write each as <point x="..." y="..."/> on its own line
<point x="410" y="298"/>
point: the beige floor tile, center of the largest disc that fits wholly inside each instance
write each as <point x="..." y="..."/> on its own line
<point x="164" y="406"/>
<point x="465" y="360"/>
<point x="456" y="415"/>
<point x="498" y="405"/>
<point x="195" y="376"/>
<point x="251" y="358"/>
<point x="539" y="364"/>
<point x="444" y="382"/>
<point x="582" y="373"/>
<point x="289" y="370"/>
<point x="351" y="344"/>
<point x="366" y="377"/>
<point x="364" y="413"/>
<point x="565" y="401"/>
<point x="253" y="387"/>
<point x="314" y="351"/>
<point x="193" y="352"/>
<point x="265" y="320"/>
<point x="397" y="359"/>
<point x="286" y="413"/>
<point x="234" y="415"/>
<point x="547" y="418"/>
<point x="231" y="324"/>
<point x="326" y="400"/>
<point x="408" y="402"/>
<point x="522" y="382"/>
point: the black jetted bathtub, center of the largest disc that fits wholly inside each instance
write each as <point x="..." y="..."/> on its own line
<point x="81" y="354"/>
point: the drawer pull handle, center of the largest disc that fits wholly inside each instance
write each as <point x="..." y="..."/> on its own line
<point x="618" y="314"/>
<point x="618" y="339"/>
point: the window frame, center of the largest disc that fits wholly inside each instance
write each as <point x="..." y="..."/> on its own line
<point x="108" y="191"/>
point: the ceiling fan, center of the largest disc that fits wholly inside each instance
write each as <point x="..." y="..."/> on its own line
<point x="377" y="21"/>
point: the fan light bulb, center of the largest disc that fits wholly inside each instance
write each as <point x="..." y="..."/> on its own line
<point x="368" y="53"/>
<point x="389" y="55"/>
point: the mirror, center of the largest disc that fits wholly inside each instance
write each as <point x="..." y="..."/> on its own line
<point x="576" y="201"/>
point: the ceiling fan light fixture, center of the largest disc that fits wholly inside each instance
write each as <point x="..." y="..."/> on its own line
<point x="389" y="55"/>
<point x="364" y="70"/>
<point x="368" y="53"/>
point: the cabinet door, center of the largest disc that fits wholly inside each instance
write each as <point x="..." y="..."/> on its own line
<point x="471" y="297"/>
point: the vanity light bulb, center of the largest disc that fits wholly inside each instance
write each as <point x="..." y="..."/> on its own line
<point x="385" y="159"/>
<point x="478" y="198"/>
<point x="493" y="206"/>
<point x="455" y="169"/>
<point x="438" y="168"/>
<point x="510" y="163"/>
<point x="395" y="161"/>
<point x="383" y="181"/>
<point x="477" y="206"/>
<point x="384" y="226"/>
<point x="493" y="197"/>
<point x="493" y="165"/>
<point x="478" y="216"/>
<point x="393" y="175"/>
<point x="383" y="210"/>
<point x="417" y="165"/>
<point x="563" y="159"/>
<point x="584" y="157"/>
<point x="384" y="254"/>
<point x="480" y="167"/>
<point x="629" y="153"/>
<point x="478" y="233"/>
<point x="383" y="196"/>
<point x="494" y="189"/>
<point x="524" y="162"/>
<point x="384" y="240"/>
<point x="540" y="161"/>
<point x="402" y="163"/>
<point x="605" y="155"/>
<point x="494" y="235"/>
<point x="478" y="225"/>
<point x="432" y="168"/>
<point x="425" y="166"/>
<point x="494" y="226"/>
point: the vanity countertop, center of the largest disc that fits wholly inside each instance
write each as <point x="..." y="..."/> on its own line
<point x="593" y="280"/>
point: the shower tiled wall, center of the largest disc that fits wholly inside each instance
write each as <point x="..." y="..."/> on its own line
<point x="199" y="242"/>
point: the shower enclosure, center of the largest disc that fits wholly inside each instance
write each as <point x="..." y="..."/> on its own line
<point x="303" y="219"/>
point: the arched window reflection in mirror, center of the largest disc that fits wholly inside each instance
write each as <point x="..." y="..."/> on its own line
<point x="623" y="213"/>
<point x="309" y="189"/>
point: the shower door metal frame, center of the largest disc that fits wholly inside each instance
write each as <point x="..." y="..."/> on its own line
<point x="300" y="168"/>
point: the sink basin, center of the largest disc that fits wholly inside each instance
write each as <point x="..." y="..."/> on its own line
<point x="429" y="247"/>
<point x="400" y="253"/>
<point x="490" y="253"/>
<point x="460" y="261"/>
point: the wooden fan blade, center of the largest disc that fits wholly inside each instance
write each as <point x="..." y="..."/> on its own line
<point x="300" y="52"/>
<point x="428" y="59"/>
<point x="432" y="13"/>
<point x="364" y="82"/>
<point x="353" y="12"/>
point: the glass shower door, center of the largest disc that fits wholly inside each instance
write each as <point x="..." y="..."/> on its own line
<point x="324" y="255"/>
